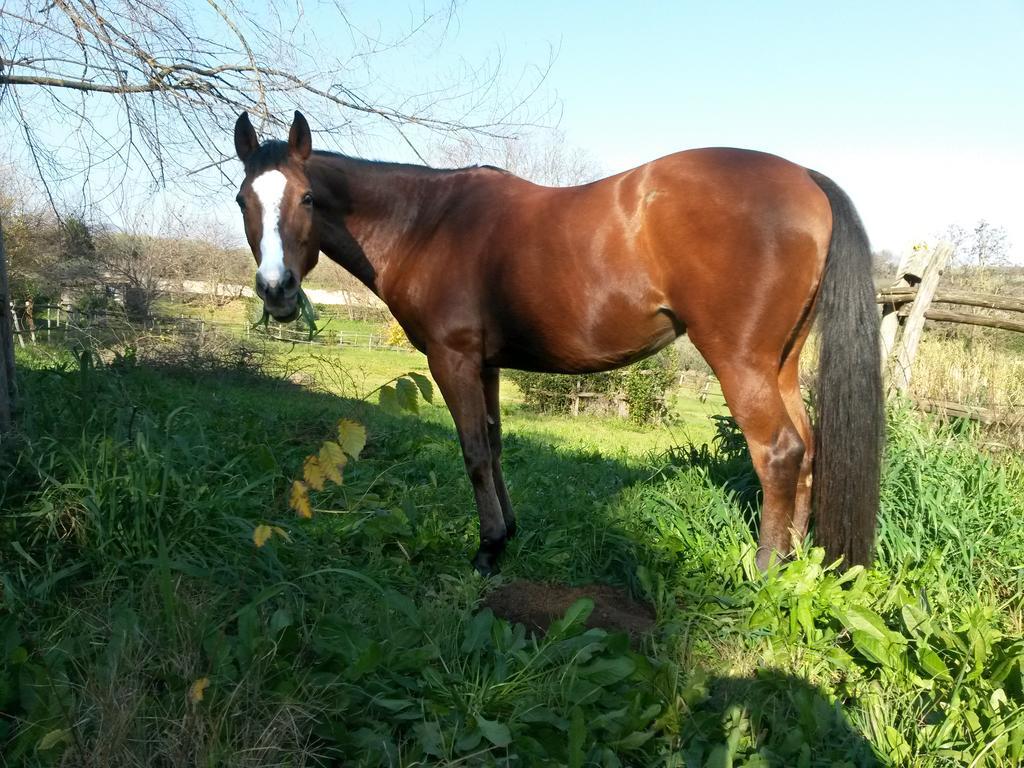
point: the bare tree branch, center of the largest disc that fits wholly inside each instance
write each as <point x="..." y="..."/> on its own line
<point x="100" y="95"/>
<point x="181" y="72"/>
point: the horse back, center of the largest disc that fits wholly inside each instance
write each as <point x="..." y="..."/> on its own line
<point x="596" y="276"/>
<point x="696" y="240"/>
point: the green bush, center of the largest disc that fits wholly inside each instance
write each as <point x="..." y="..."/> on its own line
<point x="642" y="387"/>
<point x="553" y="392"/>
<point x="94" y="301"/>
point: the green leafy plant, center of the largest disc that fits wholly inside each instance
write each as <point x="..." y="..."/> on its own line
<point x="140" y="625"/>
<point x="397" y="396"/>
<point x="307" y="315"/>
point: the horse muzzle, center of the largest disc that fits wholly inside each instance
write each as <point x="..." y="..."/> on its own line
<point x="280" y="295"/>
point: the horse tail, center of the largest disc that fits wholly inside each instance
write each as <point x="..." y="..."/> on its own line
<point x="850" y="403"/>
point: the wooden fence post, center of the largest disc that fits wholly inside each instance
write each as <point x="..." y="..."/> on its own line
<point x="17" y="326"/>
<point x="30" y="318"/>
<point x="908" y="274"/>
<point x="8" y="389"/>
<point x="901" y="365"/>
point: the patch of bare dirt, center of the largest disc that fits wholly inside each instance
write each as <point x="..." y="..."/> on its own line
<point x="537" y="604"/>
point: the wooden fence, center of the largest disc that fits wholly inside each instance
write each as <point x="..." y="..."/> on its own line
<point x="908" y="303"/>
<point x="905" y="306"/>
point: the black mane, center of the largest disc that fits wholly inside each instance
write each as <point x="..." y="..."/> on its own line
<point x="405" y="167"/>
<point x="273" y="153"/>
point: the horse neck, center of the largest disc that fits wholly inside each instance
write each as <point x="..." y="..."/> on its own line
<point x="374" y="214"/>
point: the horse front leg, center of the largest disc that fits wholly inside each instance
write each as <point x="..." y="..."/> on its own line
<point x="459" y="376"/>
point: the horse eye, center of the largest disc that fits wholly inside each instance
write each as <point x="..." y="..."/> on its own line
<point x="241" y="201"/>
<point x="307" y="199"/>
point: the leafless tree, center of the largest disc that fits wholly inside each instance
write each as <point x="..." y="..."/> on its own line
<point x="883" y="265"/>
<point x="982" y="247"/>
<point x="988" y="246"/>
<point x="135" y="262"/>
<point x="97" y="92"/>
<point x="177" y="74"/>
<point x="31" y="235"/>
<point x="540" y="155"/>
<point x="979" y="254"/>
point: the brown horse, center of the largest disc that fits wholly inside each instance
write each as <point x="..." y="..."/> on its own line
<point x="485" y="270"/>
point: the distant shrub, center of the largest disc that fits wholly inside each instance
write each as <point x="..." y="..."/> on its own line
<point x="554" y="392"/>
<point x="637" y="391"/>
<point x="394" y="336"/>
<point x="96" y="301"/>
<point x="646" y="384"/>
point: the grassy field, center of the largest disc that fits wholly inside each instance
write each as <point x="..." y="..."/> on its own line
<point x="140" y="624"/>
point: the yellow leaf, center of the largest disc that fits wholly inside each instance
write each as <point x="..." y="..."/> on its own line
<point x="282" y="533"/>
<point x="53" y="738"/>
<point x="313" y="473"/>
<point x="260" y="534"/>
<point x="197" y="689"/>
<point x="352" y="436"/>
<point x="332" y="461"/>
<point x="299" y="500"/>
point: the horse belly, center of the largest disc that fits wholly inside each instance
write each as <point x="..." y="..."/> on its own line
<point x="560" y="342"/>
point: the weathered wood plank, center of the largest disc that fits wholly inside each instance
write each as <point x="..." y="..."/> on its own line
<point x="902" y="365"/>
<point x="946" y="316"/>
<point x="904" y="295"/>
<point x="988" y="416"/>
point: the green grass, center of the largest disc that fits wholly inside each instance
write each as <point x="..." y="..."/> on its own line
<point x="129" y="573"/>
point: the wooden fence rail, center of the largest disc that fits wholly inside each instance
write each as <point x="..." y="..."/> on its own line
<point x="991" y="416"/>
<point x="902" y="295"/>
<point x="962" y="318"/>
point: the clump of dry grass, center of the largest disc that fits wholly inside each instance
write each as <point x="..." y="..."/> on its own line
<point x="963" y="366"/>
<point x="128" y="712"/>
<point x="969" y="372"/>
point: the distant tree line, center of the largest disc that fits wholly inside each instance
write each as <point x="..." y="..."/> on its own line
<point x="50" y="252"/>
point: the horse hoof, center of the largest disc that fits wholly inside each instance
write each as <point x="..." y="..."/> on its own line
<point x="766" y="557"/>
<point x="763" y="555"/>
<point x="485" y="563"/>
<point x="486" y="558"/>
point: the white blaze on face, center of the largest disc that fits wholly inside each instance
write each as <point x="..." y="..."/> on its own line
<point x="269" y="189"/>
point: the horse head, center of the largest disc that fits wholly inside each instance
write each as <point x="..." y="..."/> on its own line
<point x="277" y="208"/>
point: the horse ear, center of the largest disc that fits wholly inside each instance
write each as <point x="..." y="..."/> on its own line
<point x="299" y="138"/>
<point x="246" y="141"/>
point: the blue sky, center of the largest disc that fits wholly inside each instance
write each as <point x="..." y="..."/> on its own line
<point x="916" y="108"/>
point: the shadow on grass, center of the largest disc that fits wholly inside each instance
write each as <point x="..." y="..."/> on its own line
<point x="573" y="527"/>
<point x="562" y="496"/>
<point x="772" y="720"/>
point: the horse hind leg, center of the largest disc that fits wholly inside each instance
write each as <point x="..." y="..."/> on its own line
<point x="789" y="385"/>
<point x="776" y="445"/>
